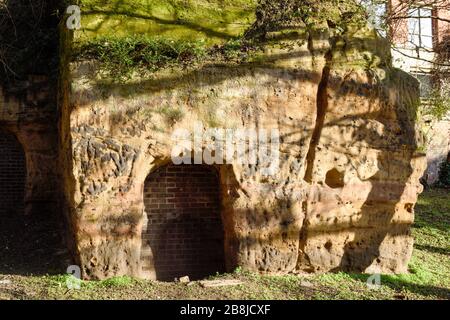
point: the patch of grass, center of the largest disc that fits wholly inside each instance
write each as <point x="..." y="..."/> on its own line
<point x="65" y="279"/>
<point x="433" y="215"/>
<point x="120" y="57"/>
<point x="171" y="114"/>
<point x="232" y="48"/>
<point x="123" y="281"/>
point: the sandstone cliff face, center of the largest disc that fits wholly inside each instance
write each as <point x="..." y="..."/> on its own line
<point x="344" y="195"/>
<point x="28" y="111"/>
<point x="31" y="222"/>
<point x="30" y="240"/>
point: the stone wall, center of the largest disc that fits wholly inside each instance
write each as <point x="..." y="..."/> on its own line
<point x="342" y="199"/>
<point x="364" y="177"/>
<point x="32" y="224"/>
<point x="28" y="111"/>
<point x="438" y="148"/>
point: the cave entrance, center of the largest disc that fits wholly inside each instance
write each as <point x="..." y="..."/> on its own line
<point x="183" y="234"/>
<point x="28" y="240"/>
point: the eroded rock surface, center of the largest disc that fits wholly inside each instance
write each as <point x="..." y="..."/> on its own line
<point x="344" y="195"/>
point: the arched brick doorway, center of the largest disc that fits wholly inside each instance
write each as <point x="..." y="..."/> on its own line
<point x="12" y="175"/>
<point x="29" y="241"/>
<point x="12" y="193"/>
<point x="184" y="232"/>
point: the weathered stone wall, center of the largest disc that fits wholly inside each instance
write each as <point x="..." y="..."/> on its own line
<point x="31" y="225"/>
<point x="364" y="177"/>
<point x="438" y="147"/>
<point x="343" y="198"/>
<point x="28" y="111"/>
<point x="115" y="148"/>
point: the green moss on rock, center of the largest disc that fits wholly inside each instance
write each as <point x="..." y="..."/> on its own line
<point x="211" y="20"/>
<point x="147" y="35"/>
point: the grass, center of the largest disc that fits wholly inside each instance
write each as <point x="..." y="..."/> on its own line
<point x="429" y="276"/>
<point x="140" y="37"/>
<point x="121" y="58"/>
<point x="171" y="114"/>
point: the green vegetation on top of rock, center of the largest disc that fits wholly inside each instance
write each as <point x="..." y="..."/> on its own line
<point x="121" y="58"/>
<point x="278" y="15"/>
<point x="147" y="35"/>
<point x="211" y="20"/>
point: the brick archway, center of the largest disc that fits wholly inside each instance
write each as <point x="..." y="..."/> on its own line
<point x="30" y="241"/>
<point x="183" y="234"/>
<point x="12" y="194"/>
<point x="12" y="175"/>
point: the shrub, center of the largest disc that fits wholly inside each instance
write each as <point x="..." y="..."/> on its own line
<point x="120" y="57"/>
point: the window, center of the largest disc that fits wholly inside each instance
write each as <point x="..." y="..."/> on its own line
<point x="420" y="27"/>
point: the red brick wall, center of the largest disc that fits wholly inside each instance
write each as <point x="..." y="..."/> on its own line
<point x="443" y="26"/>
<point x="12" y="174"/>
<point x="184" y="229"/>
<point x="399" y="27"/>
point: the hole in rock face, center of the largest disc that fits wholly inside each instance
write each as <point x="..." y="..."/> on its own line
<point x="409" y="207"/>
<point x="334" y="179"/>
<point x="184" y="230"/>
